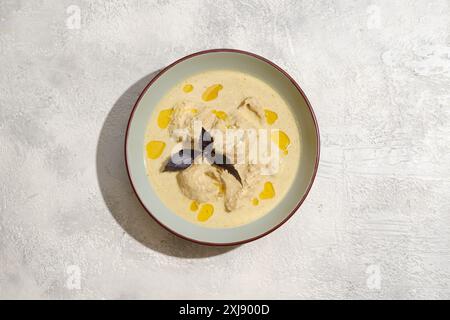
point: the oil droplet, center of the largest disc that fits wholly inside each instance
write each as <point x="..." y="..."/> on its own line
<point x="271" y="116"/>
<point x="212" y="92"/>
<point x="222" y="115"/>
<point x="281" y="139"/>
<point x="164" y="118"/>
<point x="188" y="88"/>
<point x="206" y="211"/>
<point x="194" y="206"/>
<point x="255" y="201"/>
<point x="155" y="149"/>
<point x="194" y="111"/>
<point x="268" y="191"/>
<point x="220" y="187"/>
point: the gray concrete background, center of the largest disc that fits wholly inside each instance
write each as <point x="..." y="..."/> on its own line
<point x="376" y="223"/>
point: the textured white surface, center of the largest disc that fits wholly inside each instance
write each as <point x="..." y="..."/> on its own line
<point x="377" y="74"/>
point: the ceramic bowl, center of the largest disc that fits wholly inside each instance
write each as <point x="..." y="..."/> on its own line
<point x="232" y="60"/>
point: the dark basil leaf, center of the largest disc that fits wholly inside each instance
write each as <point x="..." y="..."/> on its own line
<point x="223" y="162"/>
<point x="209" y="153"/>
<point x="185" y="157"/>
<point x="205" y="139"/>
<point x="181" y="160"/>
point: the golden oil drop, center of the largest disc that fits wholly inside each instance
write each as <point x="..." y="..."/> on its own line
<point x="155" y="149"/>
<point x="222" y="115"/>
<point x="268" y="191"/>
<point x="188" y="88"/>
<point x="271" y="116"/>
<point x="164" y="118"/>
<point x="281" y="139"/>
<point x="194" y="206"/>
<point x="206" y="211"/>
<point x="212" y="92"/>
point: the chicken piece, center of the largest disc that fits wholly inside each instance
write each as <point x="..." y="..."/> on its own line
<point x="180" y="126"/>
<point x="205" y="182"/>
<point x="233" y="190"/>
<point x="250" y="173"/>
<point x="200" y="182"/>
<point x="187" y="118"/>
<point x="251" y="110"/>
<point x="207" y="118"/>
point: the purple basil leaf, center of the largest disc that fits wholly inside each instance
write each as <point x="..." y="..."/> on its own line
<point x="184" y="158"/>
<point x="181" y="160"/>
<point x="223" y="162"/>
<point x="205" y="139"/>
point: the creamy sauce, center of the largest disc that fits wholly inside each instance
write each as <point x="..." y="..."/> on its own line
<point x="220" y="93"/>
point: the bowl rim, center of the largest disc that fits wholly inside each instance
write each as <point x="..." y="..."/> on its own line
<point x="311" y="111"/>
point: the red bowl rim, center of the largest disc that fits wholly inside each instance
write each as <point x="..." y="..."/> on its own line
<point x="316" y="165"/>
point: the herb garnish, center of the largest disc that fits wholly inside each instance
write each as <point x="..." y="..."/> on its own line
<point x="184" y="158"/>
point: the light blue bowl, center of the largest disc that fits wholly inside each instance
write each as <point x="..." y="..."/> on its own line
<point x="233" y="60"/>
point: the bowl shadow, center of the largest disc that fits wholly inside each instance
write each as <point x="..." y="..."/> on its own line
<point x="118" y="194"/>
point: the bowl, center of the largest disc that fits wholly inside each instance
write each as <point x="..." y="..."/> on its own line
<point x="258" y="67"/>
